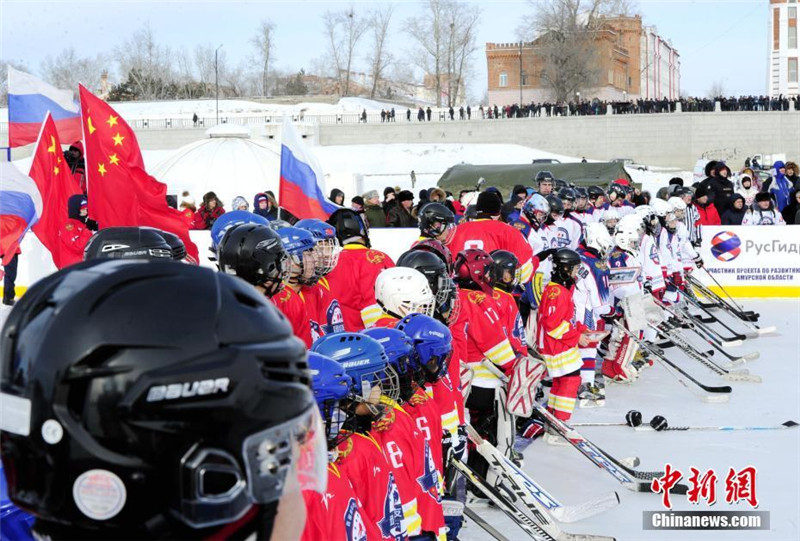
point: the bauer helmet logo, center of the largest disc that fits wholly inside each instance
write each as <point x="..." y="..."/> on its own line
<point x="188" y="389"/>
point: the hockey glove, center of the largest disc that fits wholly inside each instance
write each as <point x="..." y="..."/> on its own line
<point x="544" y="254"/>
<point x="698" y="261"/>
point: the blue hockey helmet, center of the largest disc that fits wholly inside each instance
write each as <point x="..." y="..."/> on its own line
<point x="330" y="384"/>
<point x="327" y="249"/>
<point x="230" y="219"/>
<point x="299" y="244"/>
<point x="433" y="344"/>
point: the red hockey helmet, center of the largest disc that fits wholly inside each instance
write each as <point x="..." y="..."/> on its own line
<point x="473" y="270"/>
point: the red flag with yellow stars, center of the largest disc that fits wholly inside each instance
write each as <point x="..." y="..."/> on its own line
<point x="56" y="184"/>
<point x="120" y="191"/>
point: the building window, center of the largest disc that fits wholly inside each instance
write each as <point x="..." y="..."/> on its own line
<point x="793" y="70"/>
<point x="776" y="29"/>
<point x="524" y="78"/>
<point x="503" y="79"/>
<point x="792" y="28"/>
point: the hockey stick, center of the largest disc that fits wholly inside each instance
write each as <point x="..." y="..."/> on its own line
<point x="476" y="518"/>
<point x="739" y="308"/>
<point x="718" y="302"/>
<point x="658" y="354"/>
<point x="526" y="487"/>
<point x="691" y="321"/>
<point x="755" y="329"/>
<point x="648" y="428"/>
<point x="530" y="526"/>
<point x="706" y="335"/>
<point x="734" y="335"/>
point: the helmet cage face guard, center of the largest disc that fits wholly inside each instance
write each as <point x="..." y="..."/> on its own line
<point x="374" y="388"/>
<point x="448" y="311"/>
<point x="302" y="268"/>
<point x="444" y="287"/>
<point x="326" y="255"/>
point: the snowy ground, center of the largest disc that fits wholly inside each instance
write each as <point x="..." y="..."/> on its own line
<point x="573" y="479"/>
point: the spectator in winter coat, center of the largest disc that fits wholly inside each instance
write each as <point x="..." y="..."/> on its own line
<point x="421" y="114"/>
<point x="357" y="204"/>
<point x="708" y="214"/>
<point x="74" y="233"/>
<point x="780" y="186"/>
<point x="373" y="212"/>
<point x="400" y="214"/>
<point x="428" y="113"/>
<point x="188" y="208"/>
<point x="791" y="212"/>
<point x="389" y="199"/>
<point x="734" y="214"/>
<point x="721" y="186"/>
<point x="264" y="205"/>
<point x="209" y="211"/>
<point x="763" y="212"/>
<point x="240" y="203"/>
<point x="792" y="175"/>
<point x="747" y="190"/>
<point x="337" y="197"/>
<point x="74" y="158"/>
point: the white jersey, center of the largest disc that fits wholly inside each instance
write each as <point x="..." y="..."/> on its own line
<point x="537" y="240"/>
<point x="591" y="295"/>
<point x="624" y="210"/>
<point x="651" y="262"/>
<point x="687" y="253"/>
<point x="563" y="233"/>
<point x="670" y="249"/>
<point x="756" y="216"/>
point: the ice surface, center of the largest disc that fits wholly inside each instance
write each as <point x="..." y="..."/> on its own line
<point x="569" y="476"/>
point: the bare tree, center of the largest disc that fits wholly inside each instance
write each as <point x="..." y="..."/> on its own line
<point x="716" y="90"/>
<point x="67" y="69"/>
<point x="379" y="58"/>
<point x="4" y="65"/>
<point x="146" y="63"/>
<point x="264" y="44"/>
<point x="343" y="29"/>
<point x="445" y="37"/>
<point x="565" y="34"/>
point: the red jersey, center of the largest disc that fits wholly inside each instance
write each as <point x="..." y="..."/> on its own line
<point x="479" y="333"/>
<point x="73" y="235"/>
<point x="323" y="308"/>
<point x="293" y="306"/>
<point x="352" y="282"/>
<point x="509" y="315"/>
<point x="336" y="515"/>
<point x="557" y="333"/>
<point x="490" y="235"/>
<point x="361" y="459"/>
<point x="428" y="418"/>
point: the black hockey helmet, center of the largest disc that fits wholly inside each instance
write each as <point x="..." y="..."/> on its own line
<point x="595" y="192"/>
<point x="433" y="268"/>
<point x="254" y="253"/>
<point x="617" y="190"/>
<point x="567" y="194"/>
<point x="556" y="205"/>
<point x="543" y="176"/>
<point x="127" y="243"/>
<point x="349" y="226"/>
<point x="149" y="393"/>
<point x="436" y="220"/>
<point x="175" y="244"/>
<point x="437" y="248"/>
<point x="560" y="185"/>
<point x="581" y="192"/>
<point x="564" y="263"/>
<point x="504" y="262"/>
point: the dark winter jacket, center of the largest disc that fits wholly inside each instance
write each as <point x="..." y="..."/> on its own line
<point x="732" y="215"/>
<point x="398" y="216"/>
<point x="375" y="215"/>
<point x="271" y="212"/>
<point x="791" y="212"/>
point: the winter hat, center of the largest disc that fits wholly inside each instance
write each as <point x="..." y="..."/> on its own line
<point x="763" y="196"/>
<point x="710" y="166"/>
<point x="678" y="181"/>
<point x="405" y="195"/>
<point x="387" y="190"/>
<point x="370" y="195"/>
<point x="261" y="197"/>
<point x="358" y="200"/>
<point x="700" y="192"/>
<point x="489" y="203"/>
<point x="239" y="201"/>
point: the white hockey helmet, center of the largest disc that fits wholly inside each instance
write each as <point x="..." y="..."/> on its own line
<point x="402" y="290"/>
<point x="643" y="210"/>
<point x="661" y="208"/>
<point x="610" y="214"/>
<point x="678" y="207"/>
<point x="597" y="236"/>
<point x="628" y="234"/>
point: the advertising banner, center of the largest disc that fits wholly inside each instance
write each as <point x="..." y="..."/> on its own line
<point x="753" y="261"/>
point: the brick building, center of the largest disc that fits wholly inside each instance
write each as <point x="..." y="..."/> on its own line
<point x="634" y="62"/>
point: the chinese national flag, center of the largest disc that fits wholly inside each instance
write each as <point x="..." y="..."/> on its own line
<point x="56" y="184"/>
<point x="120" y="191"/>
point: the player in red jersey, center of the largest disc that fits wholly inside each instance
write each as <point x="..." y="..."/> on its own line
<point x="359" y="456"/>
<point x="399" y="291"/>
<point x="559" y="336"/>
<point x="299" y="244"/>
<point x="488" y="234"/>
<point x="352" y="280"/>
<point x="504" y="281"/>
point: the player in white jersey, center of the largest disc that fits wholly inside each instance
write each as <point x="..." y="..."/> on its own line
<point x="560" y="232"/>
<point x="687" y="254"/>
<point x="669" y="249"/>
<point x="649" y="253"/>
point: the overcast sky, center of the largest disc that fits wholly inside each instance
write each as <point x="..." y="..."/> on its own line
<point x="717" y="40"/>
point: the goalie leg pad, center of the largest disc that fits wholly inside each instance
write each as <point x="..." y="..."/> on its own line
<point x="621" y="353"/>
<point x="527" y="374"/>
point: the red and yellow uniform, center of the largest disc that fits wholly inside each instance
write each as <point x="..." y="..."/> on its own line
<point x="352" y="282"/>
<point x="509" y="315"/>
<point x="557" y="342"/>
<point x="293" y="305"/>
<point x="490" y="235"/>
<point x="324" y="312"/>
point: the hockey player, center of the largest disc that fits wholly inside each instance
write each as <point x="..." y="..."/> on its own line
<point x="487" y="233"/>
<point x="763" y="212"/>
<point x="592" y="303"/>
<point x="299" y="245"/>
<point x="74" y="233"/>
<point x="426" y="419"/>
<point x="560" y="231"/>
<point x="442" y="286"/>
<point x="597" y="201"/>
<point x="669" y="248"/>
<point x="255" y="254"/>
<point x="438" y="249"/>
<point x="504" y="282"/>
<point x="559" y="336"/>
<point x="324" y="311"/>
<point x="399" y="291"/>
<point x="689" y="257"/>
<point x="545" y="183"/>
<point x="126" y="476"/>
<point x="651" y="257"/>
<point x="436" y="221"/>
<point x="353" y="278"/>
<point x="625" y="279"/>
<point x="228" y="220"/>
<point x="536" y="210"/>
<point x="360" y="457"/>
<point x="617" y="199"/>
<point x="338" y="513"/>
<point x="579" y="212"/>
<point x="609" y="218"/>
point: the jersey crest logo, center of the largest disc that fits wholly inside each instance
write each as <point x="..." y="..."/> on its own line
<point x="476" y="297"/>
<point x="283" y="296"/>
<point x="561" y="240"/>
<point x="354" y="525"/>
<point x="69" y="227"/>
<point x="375" y="257"/>
<point x="519" y="330"/>
<point x="429" y="480"/>
<point x="345" y="448"/>
<point x="335" y="318"/>
<point x="391" y="525"/>
<point x="417" y="399"/>
<point x="316" y="330"/>
<point x="384" y="423"/>
<point x="553" y="292"/>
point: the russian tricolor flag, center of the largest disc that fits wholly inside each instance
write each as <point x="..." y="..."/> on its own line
<point x="20" y="208"/>
<point x="300" y="192"/>
<point x="29" y="100"/>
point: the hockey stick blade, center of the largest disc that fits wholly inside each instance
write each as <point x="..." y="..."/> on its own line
<point x="589" y="508"/>
<point x="789" y="424"/>
<point x="767" y="330"/>
<point x="742" y="375"/>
